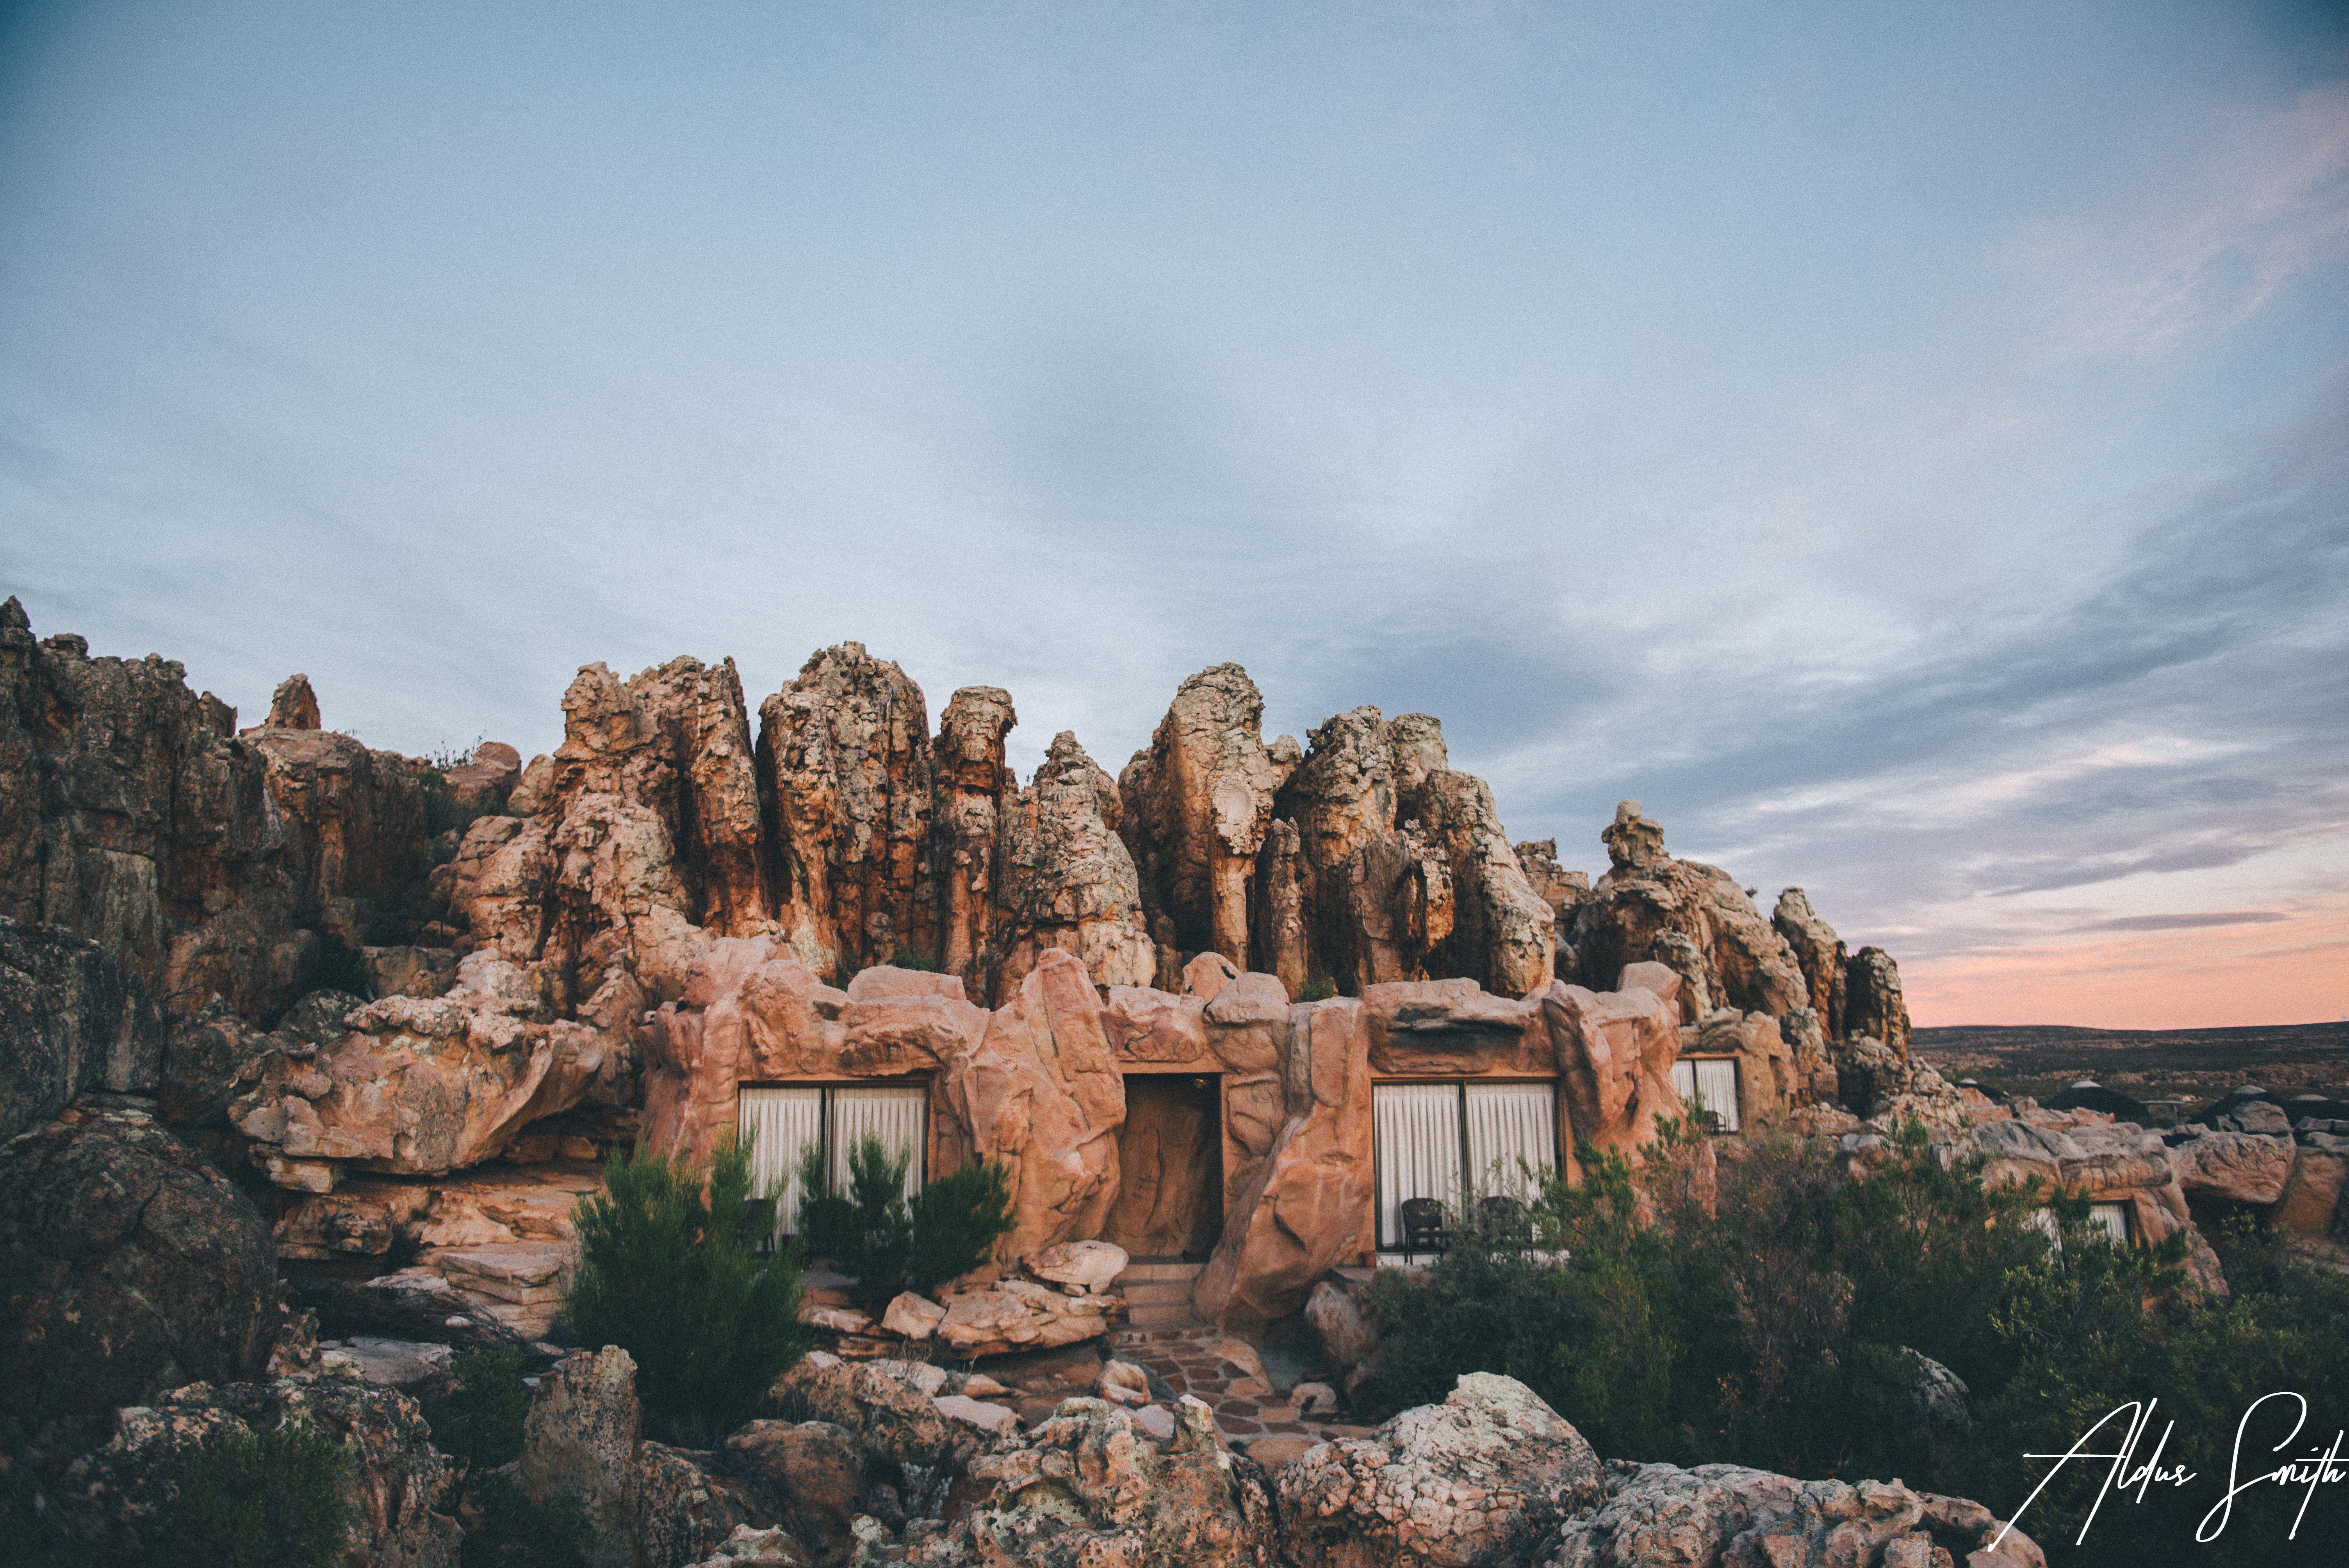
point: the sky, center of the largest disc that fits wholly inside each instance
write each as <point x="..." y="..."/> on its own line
<point x="1905" y="447"/>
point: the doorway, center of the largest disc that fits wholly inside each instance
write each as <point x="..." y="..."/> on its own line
<point x="1170" y="1199"/>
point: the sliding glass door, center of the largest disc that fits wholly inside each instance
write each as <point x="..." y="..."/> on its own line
<point x="786" y="1120"/>
<point x="1455" y="1140"/>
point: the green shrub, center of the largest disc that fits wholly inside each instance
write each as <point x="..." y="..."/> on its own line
<point x="875" y="1236"/>
<point x="1318" y="988"/>
<point x="267" y="1500"/>
<point x="670" y="1271"/>
<point x="480" y="1421"/>
<point x="906" y="958"/>
<point x="505" y="1530"/>
<point x="339" y="967"/>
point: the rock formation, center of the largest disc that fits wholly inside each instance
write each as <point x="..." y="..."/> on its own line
<point x="1067" y="880"/>
<point x="1198" y="802"/>
<point x="353" y="817"/>
<point x="1818" y="952"/>
<point x="71" y="1023"/>
<point x="293" y="706"/>
<point x="1873" y="1005"/>
<point x="974" y="783"/>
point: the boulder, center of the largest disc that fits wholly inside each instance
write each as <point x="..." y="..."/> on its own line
<point x="486" y="781"/>
<point x="1818" y="952"/>
<point x="1476" y="1479"/>
<point x="2311" y="1200"/>
<point x="73" y="1021"/>
<point x="1341" y="1322"/>
<point x="1615" y="1051"/>
<point x="687" y="1508"/>
<point x="913" y="1316"/>
<point x="815" y="1473"/>
<point x="211" y="1057"/>
<point x="1090" y="1487"/>
<point x="893" y="1419"/>
<point x="751" y="1547"/>
<point x="1726" y="1516"/>
<point x="580" y="1437"/>
<point x="2233" y="1167"/>
<point x="1873" y="1003"/>
<point x="1014" y="1314"/>
<point x="117" y="1502"/>
<point x="127" y="1265"/>
<point x="1088" y="1266"/>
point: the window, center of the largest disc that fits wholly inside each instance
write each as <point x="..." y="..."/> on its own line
<point x="1709" y="1083"/>
<point x="1441" y="1139"/>
<point x="2113" y="1217"/>
<point x="787" y="1120"/>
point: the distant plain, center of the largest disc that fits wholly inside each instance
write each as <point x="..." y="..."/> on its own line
<point x="2193" y="1065"/>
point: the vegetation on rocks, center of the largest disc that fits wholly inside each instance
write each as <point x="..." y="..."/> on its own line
<point x="670" y="1270"/>
<point x="1765" y="1311"/>
<point x="887" y="1244"/>
<point x="265" y="1499"/>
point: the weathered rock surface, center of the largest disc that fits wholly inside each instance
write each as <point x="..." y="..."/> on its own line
<point x="127" y="1265"/>
<point x="1818" y="952"/>
<point x="844" y="756"/>
<point x="1725" y="1516"/>
<point x="1648" y="904"/>
<point x="973" y="784"/>
<point x="1615" y="1051"/>
<point x="1067" y="880"/>
<point x="129" y="814"/>
<point x="294" y="705"/>
<point x="72" y="1022"/>
<point x="1476" y="1480"/>
<point x="1886" y="1087"/>
<point x="687" y="1508"/>
<point x="2234" y="1167"/>
<point x="117" y="1502"/>
<point x="1090" y="1488"/>
<point x="1198" y="802"/>
<point x="580" y="1437"/>
<point x="353" y="816"/>
<point x="2105" y="1163"/>
<point x="1873" y="1003"/>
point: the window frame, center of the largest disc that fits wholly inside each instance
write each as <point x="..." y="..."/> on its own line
<point x="1737" y="1082"/>
<point x="917" y="1173"/>
<point x="1380" y="1244"/>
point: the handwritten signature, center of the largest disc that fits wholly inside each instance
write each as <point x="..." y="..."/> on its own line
<point x="2130" y="1474"/>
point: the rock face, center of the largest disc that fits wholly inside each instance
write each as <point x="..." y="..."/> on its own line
<point x="127" y="1265"/>
<point x="844" y="756"/>
<point x="1389" y="866"/>
<point x="117" y="1502"/>
<point x="293" y="706"/>
<point x="352" y="816"/>
<point x="1090" y="1488"/>
<point x="1649" y="906"/>
<point x="1476" y="1480"/>
<point x="71" y="1022"/>
<point x="1615" y="1051"/>
<point x="974" y="783"/>
<point x="1874" y="1006"/>
<point x="580" y="1437"/>
<point x="129" y="814"/>
<point x="1819" y="953"/>
<point x="1725" y="1516"/>
<point x="2233" y="1167"/>
<point x="1197" y="803"/>
<point x="1067" y="880"/>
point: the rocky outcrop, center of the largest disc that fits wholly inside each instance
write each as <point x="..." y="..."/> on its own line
<point x="1476" y="1480"/>
<point x="293" y="706"/>
<point x="1873" y="1004"/>
<point x="1090" y="1487"/>
<point x="129" y="814"/>
<point x="845" y="762"/>
<point x="1818" y="952"/>
<point x="2233" y="1166"/>
<point x="1649" y="905"/>
<point x="115" y="1503"/>
<point x="580" y="1437"/>
<point x="353" y="818"/>
<point x="1067" y="880"/>
<point x="1197" y="803"/>
<point x="1615" y="1051"/>
<point x="1726" y="1516"/>
<point x="1886" y="1087"/>
<point x="127" y="1265"/>
<point x="71" y="1022"/>
<point x="973" y="784"/>
<point x="2103" y="1161"/>
<point x="420" y="1087"/>
<point x="486" y="782"/>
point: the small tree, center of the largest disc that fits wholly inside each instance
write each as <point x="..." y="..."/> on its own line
<point x="670" y="1271"/>
<point x="267" y="1500"/>
<point x="887" y="1245"/>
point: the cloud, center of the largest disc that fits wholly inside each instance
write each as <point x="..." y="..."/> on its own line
<point x="2187" y="922"/>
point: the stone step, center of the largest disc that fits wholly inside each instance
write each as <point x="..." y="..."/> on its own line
<point x="1141" y="1272"/>
<point x="1152" y="1293"/>
<point x="1162" y="1315"/>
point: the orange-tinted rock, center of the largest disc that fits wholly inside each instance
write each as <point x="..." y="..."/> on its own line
<point x="1615" y="1051"/>
<point x="1144" y="1025"/>
<point x="1440" y="1027"/>
<point x="1502" y="932"/>
<point x="1818" y="952"/>
<point x="1198" y="804"/>
<point x="1305" y="1206"/>
<point x="484" y="783"/>
<point x="1042" y="1094"/>
<point x="1067" y="880"/>
<point x="1873" y="1003"/>
<point x="1648" y="904"/>
<point x="844" y="758"/>
<point x="974" y="783"/>
<point x="353" y="817"/>
<point x="294" y="705"/>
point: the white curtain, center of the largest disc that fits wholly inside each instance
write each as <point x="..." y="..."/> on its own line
<point x="1684" y="1083"/>
<point x="1508" y="1122"/>
<point x="1416" y="1126"/>
<point x="2114" y="1217"/>
<point x="892" y="1115"/>
<point x="779" y="1122"/>
<point x="1716" y="1090"/>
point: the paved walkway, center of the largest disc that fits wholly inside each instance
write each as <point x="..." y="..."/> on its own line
<point x="1200" y="1360"/>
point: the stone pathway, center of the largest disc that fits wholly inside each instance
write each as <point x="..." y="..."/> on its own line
<point x="1227" y="1373"/>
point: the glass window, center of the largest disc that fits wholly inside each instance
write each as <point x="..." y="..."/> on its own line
<point x="1709" y="1084"/>
<point x="2114" y="1217"/>
<point x="1441" y="1141"/>
<point x="788" y="1120"/>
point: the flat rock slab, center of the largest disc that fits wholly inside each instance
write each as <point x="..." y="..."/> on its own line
<point x="404" y="1364"/>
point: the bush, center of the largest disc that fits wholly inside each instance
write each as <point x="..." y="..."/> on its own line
<point x="906" y="958"/>
<point x="503" y="1529"/>
<point x="479" y="1422"/>
<point x="1773" y="1323"/>
<point x="339" y="968"/>
<point x="887" y="1245"/>
<point x="670" y="1271"/>
<point x="1318" y="988"/>
<point x="267" y="1500"/>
